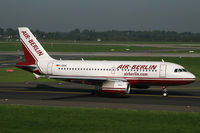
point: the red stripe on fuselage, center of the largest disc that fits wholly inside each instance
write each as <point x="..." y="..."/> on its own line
<point x="140" y="80"/>
<point x="161" y="82"/>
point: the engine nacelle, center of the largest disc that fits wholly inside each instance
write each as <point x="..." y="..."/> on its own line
<point x="116" y="87"/>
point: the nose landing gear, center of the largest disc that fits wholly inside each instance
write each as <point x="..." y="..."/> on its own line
<point x="165" y="93"/>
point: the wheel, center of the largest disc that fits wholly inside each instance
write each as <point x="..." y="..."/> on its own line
<point x="165" y="94"/>
<point x="98" y="90"/>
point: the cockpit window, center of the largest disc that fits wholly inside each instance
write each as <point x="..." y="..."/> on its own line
<point x="184" y="70"/>
<point x="180" y="70"/>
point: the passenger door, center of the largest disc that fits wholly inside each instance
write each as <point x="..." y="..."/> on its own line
<point x="49" y="68"/>
<point x="163" y="68"/>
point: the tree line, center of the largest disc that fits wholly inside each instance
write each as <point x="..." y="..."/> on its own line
<point x="113" y="35"/>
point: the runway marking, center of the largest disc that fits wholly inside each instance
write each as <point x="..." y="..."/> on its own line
<point x="52" y="92"/>
<point x="20" y="57"/>
<point x="172" y="96"/>
<point x="59" y="92"/>
<point x="184" y="96"/>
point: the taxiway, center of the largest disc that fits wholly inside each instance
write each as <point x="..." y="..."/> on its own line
<point x="182" y="98"/>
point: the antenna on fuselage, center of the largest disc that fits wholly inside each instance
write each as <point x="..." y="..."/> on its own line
<point x="82" y="59"/>
<point x="163" y="60"/>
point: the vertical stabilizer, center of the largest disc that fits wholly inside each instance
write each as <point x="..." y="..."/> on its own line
<point x="33" y="50"/>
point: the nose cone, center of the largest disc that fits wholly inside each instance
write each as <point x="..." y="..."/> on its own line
<point x="191" y="77"/>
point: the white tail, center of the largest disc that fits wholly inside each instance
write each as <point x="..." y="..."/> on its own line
<point x="33" y="50"/>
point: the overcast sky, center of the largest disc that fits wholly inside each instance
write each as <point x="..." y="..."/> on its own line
<point x="101" y="15"/>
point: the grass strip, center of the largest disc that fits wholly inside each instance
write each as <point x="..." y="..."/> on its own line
<point x="19" y="75"/>
<point x="77" y="47"/>
<point x="43" y="119"/>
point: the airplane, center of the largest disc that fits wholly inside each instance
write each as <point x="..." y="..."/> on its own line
<point x="109" y="77"/>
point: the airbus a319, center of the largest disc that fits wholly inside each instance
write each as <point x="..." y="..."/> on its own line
<point x="113" y="77"/>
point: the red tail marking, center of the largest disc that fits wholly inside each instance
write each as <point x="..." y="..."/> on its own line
<point x="29" y="59"/>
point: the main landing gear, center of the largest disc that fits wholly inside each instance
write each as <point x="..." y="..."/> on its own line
<point x="165" y="93"/>
<point x="97" y="90"/>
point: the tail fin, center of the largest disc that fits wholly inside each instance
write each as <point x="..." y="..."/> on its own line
<point x="33" y="50"/>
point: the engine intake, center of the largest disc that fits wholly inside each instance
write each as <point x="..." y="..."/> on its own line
<point x="116" y="87"/>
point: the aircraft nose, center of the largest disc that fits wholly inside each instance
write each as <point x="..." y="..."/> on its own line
<point x="192" y="76"/>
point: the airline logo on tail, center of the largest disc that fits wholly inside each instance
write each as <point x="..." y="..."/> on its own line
<point x="32" y="43"/>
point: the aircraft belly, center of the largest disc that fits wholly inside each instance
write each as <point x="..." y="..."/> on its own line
<point x="159" y="81"/>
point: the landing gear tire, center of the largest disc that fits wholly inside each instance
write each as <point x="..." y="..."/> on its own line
<point x="165" y="93"/>
<point x="98" y="90"/>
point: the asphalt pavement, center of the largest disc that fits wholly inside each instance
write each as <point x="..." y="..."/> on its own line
<point x="181" y="98"/>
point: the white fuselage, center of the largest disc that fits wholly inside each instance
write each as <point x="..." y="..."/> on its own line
<point x="135" y="72"/>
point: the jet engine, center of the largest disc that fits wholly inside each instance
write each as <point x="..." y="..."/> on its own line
<point x="116" y="87"/>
